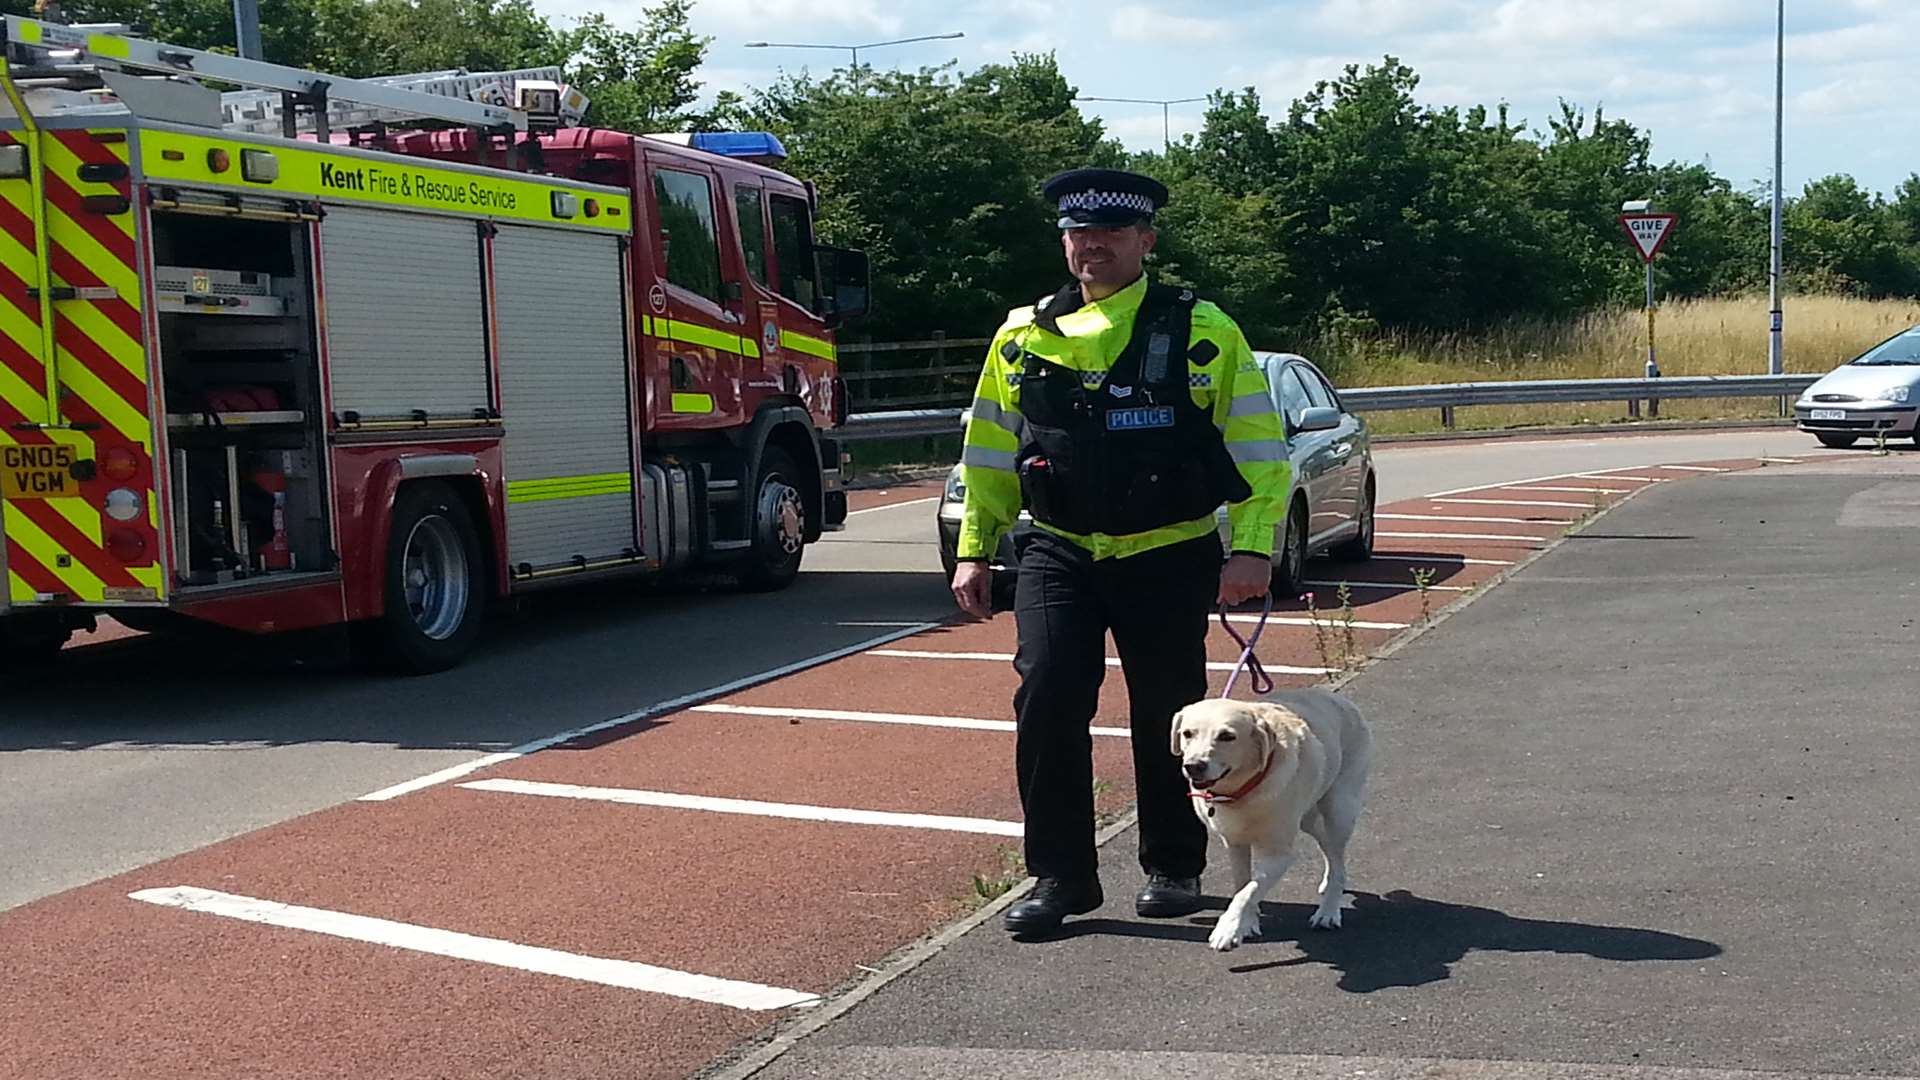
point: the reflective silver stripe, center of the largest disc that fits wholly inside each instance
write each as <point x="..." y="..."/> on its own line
<point x="1254" y="404"/>
<point x="982" y="458"/>
<point x="1257" y="450"/>
<point x="990" y="411"/>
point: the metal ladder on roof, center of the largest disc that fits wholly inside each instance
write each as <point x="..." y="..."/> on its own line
<point x="52" y="58"/>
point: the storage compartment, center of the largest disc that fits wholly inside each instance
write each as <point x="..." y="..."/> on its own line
<point x="234" y="298"/>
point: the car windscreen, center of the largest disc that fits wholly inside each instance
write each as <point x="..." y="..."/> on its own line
<point x="1902" y="349"/>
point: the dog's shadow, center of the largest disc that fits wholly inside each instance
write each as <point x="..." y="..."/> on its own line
<point x="1403" y="940"/>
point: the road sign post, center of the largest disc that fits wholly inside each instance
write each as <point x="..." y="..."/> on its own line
<point x="1649" y="232"/>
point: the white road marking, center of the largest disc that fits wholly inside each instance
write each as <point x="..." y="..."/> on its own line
<point x="673" y="705"/>
<point x="1696" y="468"/>
<point x="1591" y="490"/>
<point x="1528" y="480"/>
<point x="1634" y="479"/>
<point x="873" y="623"/>
<point x="894" y="506"/>
<point x="1517" y="502"/>
<point x="1784" y="460"/>
<point x="1454" y="560"/>
<point x="1475" y="520"/>
<point x="425" y="939"/>
<point x="1301" y="620"/>
<point x="750" y="807"/>
<point x="1112" y="661"/>
<point x="1456" y="536"/>
<point x="963" y="722"/>
<point x="1386" y="585"/>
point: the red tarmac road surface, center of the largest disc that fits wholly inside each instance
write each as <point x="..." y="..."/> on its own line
<point x="99" y="984"/>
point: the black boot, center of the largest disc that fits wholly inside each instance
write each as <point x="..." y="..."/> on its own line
<point x="1051" y="901"/>
<point x="1165" y="897"/>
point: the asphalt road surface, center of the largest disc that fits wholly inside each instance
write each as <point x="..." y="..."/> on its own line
<point x="160" y="749"/>
<point x="1644" y="812"/>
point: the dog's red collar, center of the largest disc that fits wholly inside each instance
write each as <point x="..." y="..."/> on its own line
<point x="1208" y="796"/>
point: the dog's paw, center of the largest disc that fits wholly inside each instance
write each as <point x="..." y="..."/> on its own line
<point x="1325" y="919"/>
<point x="1228" y="935"/>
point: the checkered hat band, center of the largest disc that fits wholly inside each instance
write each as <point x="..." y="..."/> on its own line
<point x="1102" y="200"/>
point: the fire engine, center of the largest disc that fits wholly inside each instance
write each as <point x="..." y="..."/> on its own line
<point x="322" y="351"/>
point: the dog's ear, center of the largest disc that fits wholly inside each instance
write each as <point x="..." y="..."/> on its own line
<point x="1268" y="719"/>
<point x="1173" y="732"/>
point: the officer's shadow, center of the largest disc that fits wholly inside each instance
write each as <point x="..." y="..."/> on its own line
<point x="1403" y="940"/>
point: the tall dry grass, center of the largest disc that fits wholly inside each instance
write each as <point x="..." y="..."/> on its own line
<point x="1693" y="337"/>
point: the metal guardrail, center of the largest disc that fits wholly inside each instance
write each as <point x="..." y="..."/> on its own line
<point x="1446" y="397"/>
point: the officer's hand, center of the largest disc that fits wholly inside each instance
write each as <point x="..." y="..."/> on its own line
<point x="973" y="588"/>
<point x="1243" y="578"/>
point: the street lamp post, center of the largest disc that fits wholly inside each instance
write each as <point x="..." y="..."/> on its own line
<point x="854" y="50"/>
<point x="1775" y="360"/>
<point x="1166" y="130"/>
<point x="246" y="29"/>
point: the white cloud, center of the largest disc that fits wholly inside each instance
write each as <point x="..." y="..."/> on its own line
<point x="1698" y="74"/>
<point x="1138" y="22"/>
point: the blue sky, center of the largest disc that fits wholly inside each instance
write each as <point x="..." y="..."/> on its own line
<point x="1697" y="73"/>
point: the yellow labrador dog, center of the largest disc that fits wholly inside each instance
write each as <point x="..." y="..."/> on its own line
<point x="1261" y="772"/>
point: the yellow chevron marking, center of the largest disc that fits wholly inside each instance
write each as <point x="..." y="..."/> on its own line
<point x="131" y="423"/>
<point x="77" y="578"/>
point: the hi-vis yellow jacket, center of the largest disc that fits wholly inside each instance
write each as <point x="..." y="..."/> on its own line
<point x="1232" y="386"/>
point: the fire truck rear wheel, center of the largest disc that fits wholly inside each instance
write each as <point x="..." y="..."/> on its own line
<point x="435" y="582"/>
<point x="779" y="523"/>
<point x="27" y="644"/>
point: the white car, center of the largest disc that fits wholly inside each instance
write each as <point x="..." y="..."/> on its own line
<point x="1877" y="392"/>
<point x="1333" y="481"/>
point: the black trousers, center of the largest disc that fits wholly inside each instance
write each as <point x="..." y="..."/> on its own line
<point x="1156" y="604"/>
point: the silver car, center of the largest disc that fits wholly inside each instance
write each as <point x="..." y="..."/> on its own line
<point x="1876" y="392"/>
<point x="1333" y="481"/>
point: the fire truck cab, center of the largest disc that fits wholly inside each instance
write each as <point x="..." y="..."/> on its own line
<point x="323" y="351"/>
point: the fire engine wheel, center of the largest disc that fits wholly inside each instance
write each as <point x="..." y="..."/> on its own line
<point x="28" y="645"/>
<point x="434" y="582"/>
<point x="779" y="524"/>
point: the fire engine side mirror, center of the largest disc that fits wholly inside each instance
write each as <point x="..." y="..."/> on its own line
<point x="844" y="290"/>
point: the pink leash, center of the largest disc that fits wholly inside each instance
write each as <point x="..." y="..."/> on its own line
<point x="1250" y="663"/>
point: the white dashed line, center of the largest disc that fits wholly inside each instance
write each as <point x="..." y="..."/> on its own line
<point x="1476" y="520"/>
<point x="1696" y="468"/>
<point x="1590" y="490"/>
<point x="674" y="705"/>
<point x="1385" y="585"/>
<point x="674" y="800"/>
<point x="962" y="722"/>
<point x="1112" y="661"/>
<point x="625" y="974"/>
<point x="1634" y="479"/>
<point x="1518" y="502"/>
<point x="1450" y="560"/>
<point x="1457" y="536"/>
<point x="893" y="506"/>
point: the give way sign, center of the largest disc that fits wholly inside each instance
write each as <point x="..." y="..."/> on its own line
<point x="1649" y="231"/>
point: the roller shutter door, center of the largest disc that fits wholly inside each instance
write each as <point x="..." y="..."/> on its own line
<point x="406" y="324"/>
<point x="563" y="387"/>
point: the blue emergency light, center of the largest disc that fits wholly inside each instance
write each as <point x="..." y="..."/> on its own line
<point x="752" y="145"/>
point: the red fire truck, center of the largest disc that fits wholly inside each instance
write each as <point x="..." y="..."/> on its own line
<point x="322" y="351"/>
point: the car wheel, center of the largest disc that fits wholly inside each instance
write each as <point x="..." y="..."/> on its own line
<point x="1838" y="442"/>
<point x="1360" y="548"/>
<point x="1290" y="573"/>
<point x="435" y="583"/>
<point x="779" y="524"/>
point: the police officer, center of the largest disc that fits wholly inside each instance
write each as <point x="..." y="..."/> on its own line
<point x="1121" y="414"/>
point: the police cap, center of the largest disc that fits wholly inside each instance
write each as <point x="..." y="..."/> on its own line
<point x="1105" y="197"/>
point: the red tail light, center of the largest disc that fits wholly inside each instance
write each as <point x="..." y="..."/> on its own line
<point x="119" y="464"/>
<point x="126" y="545"/>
